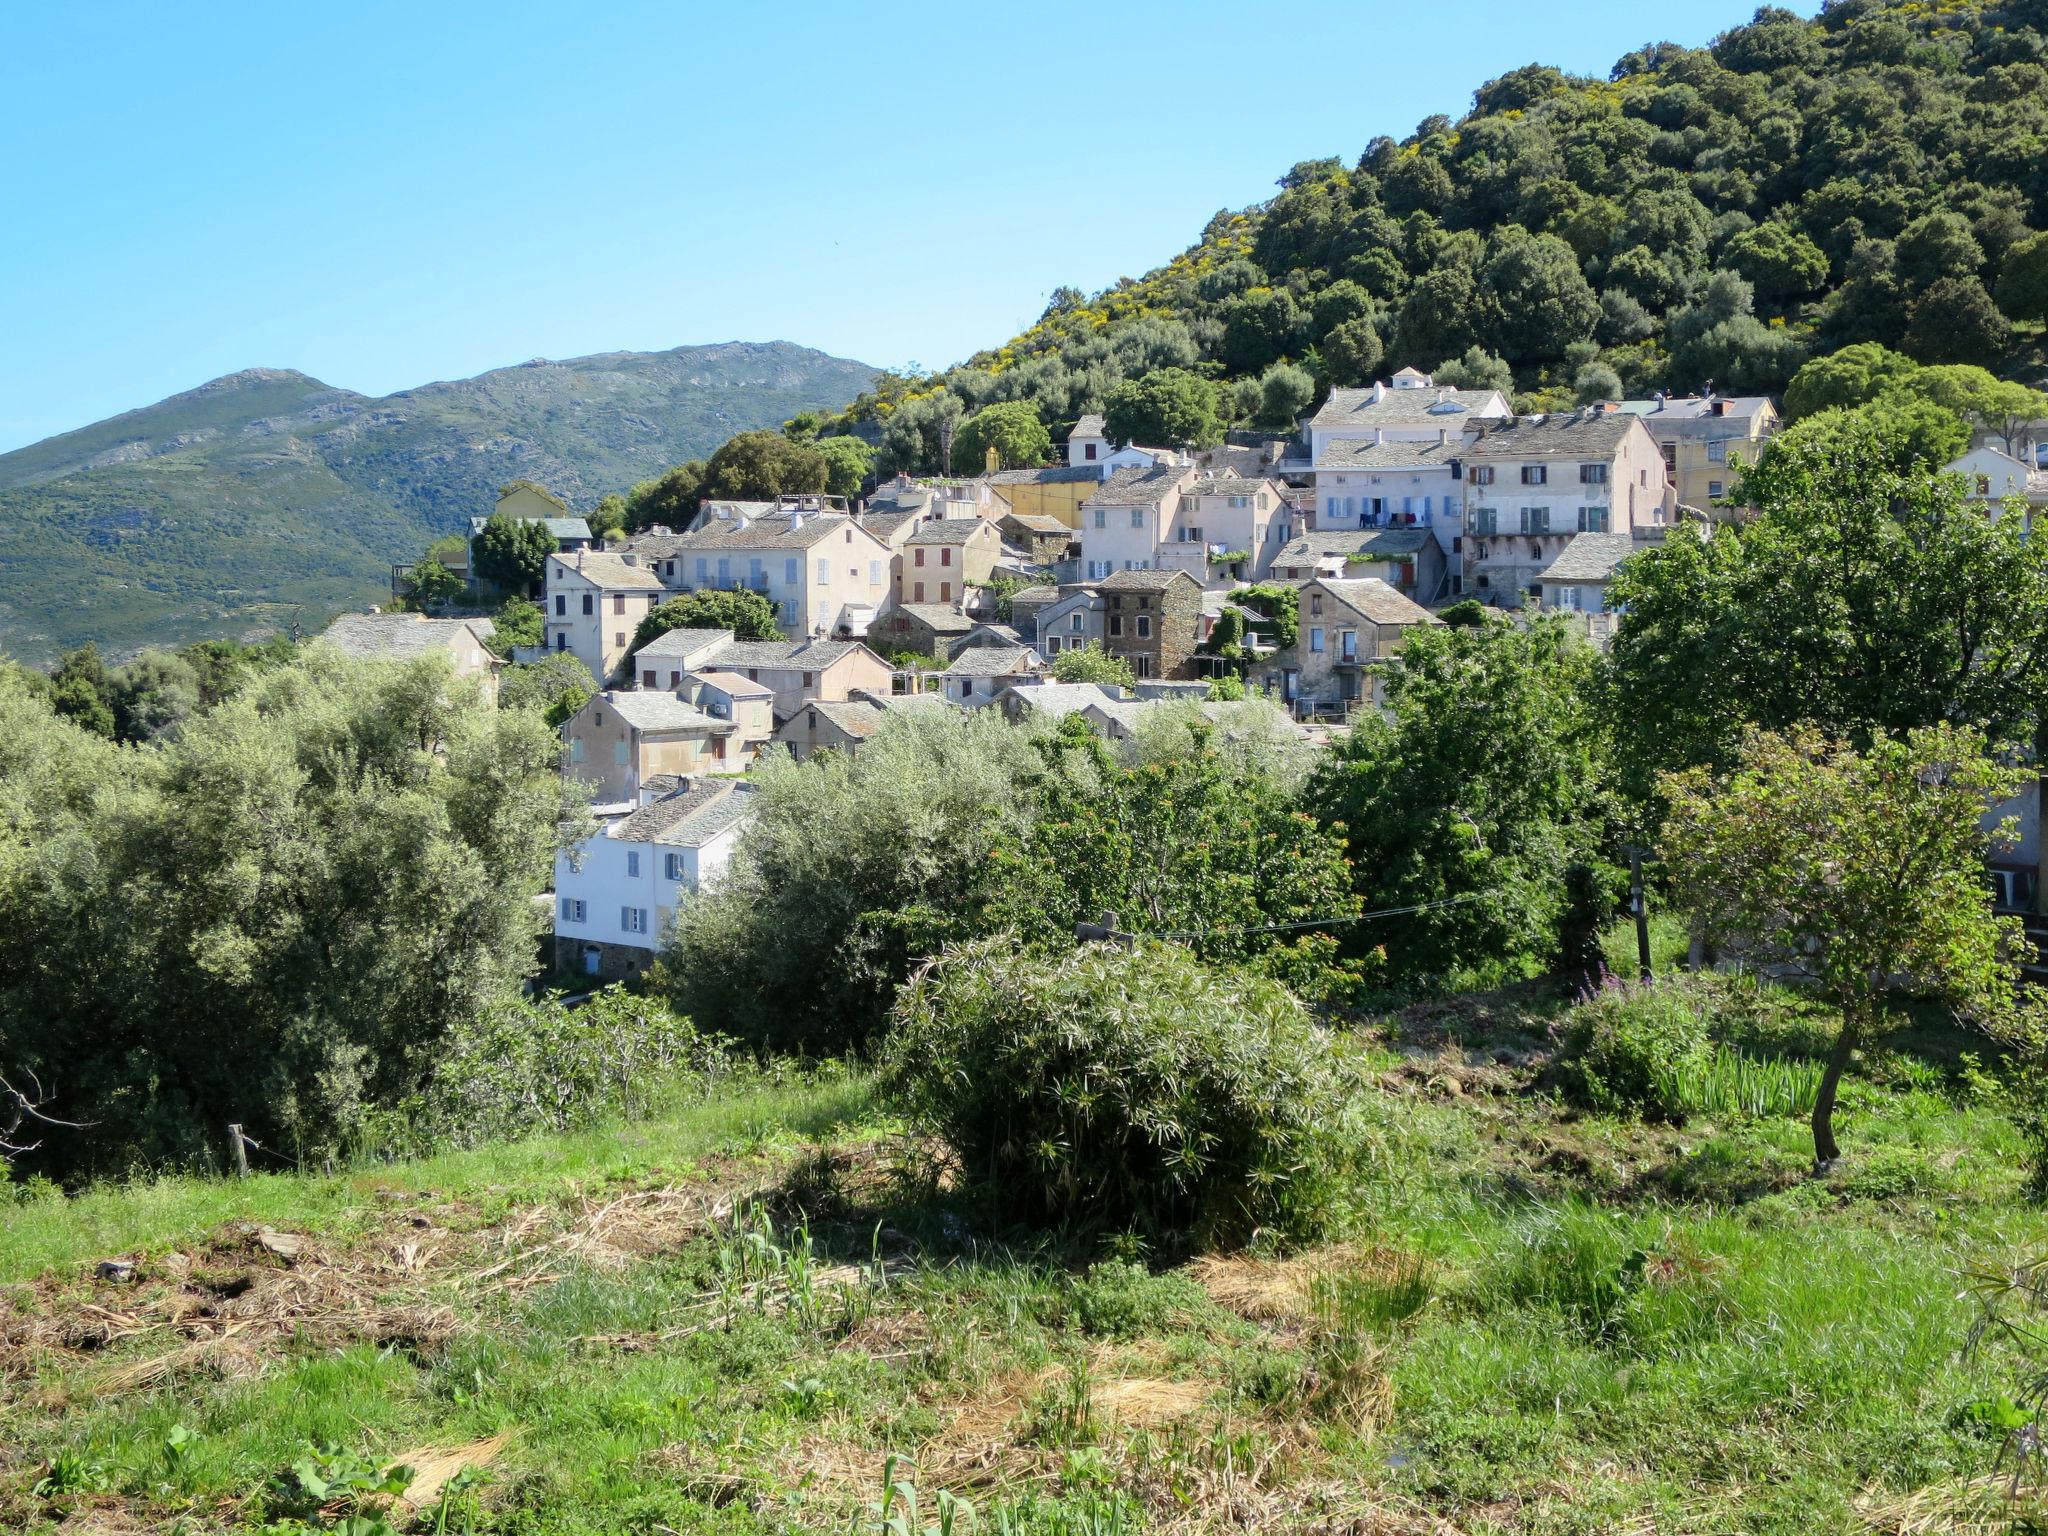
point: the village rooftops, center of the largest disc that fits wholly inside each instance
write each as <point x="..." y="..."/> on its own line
<point x="401" y="636"/>
<point x="771" y="530"/>
<point x="1143" y="581"/>
<point x="1378" y="405"/>
<point x="1056" y="701"/>
<point x="784" y="655"/>
<point x="1697" y="408"/>
<point x="1037" y="594"/>
<point x="1589" y="557"/>
<point x="1091" y="424"/>
<point x="988" y="661"/>
<point x="680" y="644"/>
<point x="1037" y="522"/>
<point x="1588" y="433"/>
<point x="734" y="686"/>
<point x="653" y="710"/>
<point x="940" y="618"/>
<point x="1052" y="474"/>
<point x="1143" y="485"/>
<point x="612" y="573"/>
<point x="1378" y="601"/>
<point x="1364" y="453"/>
<point x="691" y="816"/>
<point x="884" y="525"/>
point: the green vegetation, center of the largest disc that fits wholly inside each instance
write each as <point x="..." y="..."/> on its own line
<point x="749" y="616"/>
<point x="512" y="552"/>
<point x="1090" y="663"/>
<point x="267" y="498"/>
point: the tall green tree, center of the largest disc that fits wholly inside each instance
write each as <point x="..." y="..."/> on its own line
<point x="760" y="466"/>
<point x="670" y="500"/>
<point x="1864" y="870"/>
<point x="2023" y="281"/>
<point x="512" y="552"/>
<point x="1167" y="408"/>
<point x="1855" y="375"/>
<point x="1012" y="428"/>
<point x="848" y="463"/>
<point x="80" y="690"/>
<point x="749" y="616"/>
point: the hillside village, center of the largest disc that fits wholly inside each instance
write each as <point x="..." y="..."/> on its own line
<point x="1392" y="503"/>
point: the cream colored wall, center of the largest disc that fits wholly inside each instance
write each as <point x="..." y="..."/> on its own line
<point x="1061" y="499"/>
<point x="526" y="503"/>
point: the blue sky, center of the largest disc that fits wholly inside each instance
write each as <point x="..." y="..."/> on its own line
<point x="387" y="193"/>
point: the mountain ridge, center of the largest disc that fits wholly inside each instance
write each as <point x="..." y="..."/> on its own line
<point x="267" y="497"/>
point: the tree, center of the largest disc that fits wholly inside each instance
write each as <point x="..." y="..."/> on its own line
<point x="2023" y="282"/>
<point x="554" y="687"/>
<point x="914" y="437"/>
<point x="1167" y="408"/>
<point x="1956" y="322"/>
<point x="434" y="585"/>
<point x="848" y="463"/>
<point x="1935" y="246"/>
<point x="1284" y="395"/>
<point x="1869" y="597"/>
<point x="1596" y="382"/>
<point x="153" y="694"/>
<point x="760" y="466"/>
<point x="1864" y="870"/>
<point x="81" y="691"/>
<point x="1778" y="260"/>
<point x="1995" y="404"/>
<point x="671" y="500"/>
<point x="1090" y="663"/>
<point x="1473" y="799"/>
<point x="609" y="516"/>
<point x="749" y="616"/>
<point x="1477" y="369"/>
<point x="1352" y="353"/>
<point x="512" y="552"/>
<point x="1855" y="375"/>
<point x="1541" y="298"/>
<point x="1011" y="428"/>
<point x="517" y="623"/>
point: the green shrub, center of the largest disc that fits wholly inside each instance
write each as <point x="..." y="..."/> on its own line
<point x="1119" y="1299"/>
<point x="1105" y="1090"/>
<point x="1627" y="1042"/>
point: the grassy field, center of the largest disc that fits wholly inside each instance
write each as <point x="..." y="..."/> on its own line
<point x="732" y="1319"/>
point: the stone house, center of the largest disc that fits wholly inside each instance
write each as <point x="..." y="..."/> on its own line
<point x="1348" y="628"/>
<point x="621" y="738"/>
<point x="1408" y="559"/>
<point x="943" y="559"/>
<point x="977" y="674"/>
<point x="593" y="606"/>
<point x="922" y="629"/>
<point x="407" y="636"/>
<point x="1071" y="621"/>
<point x="1040" y="537"/>
<point x="1151" y="619"/>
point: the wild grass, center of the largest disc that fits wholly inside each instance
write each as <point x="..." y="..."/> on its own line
<point x="1726" y="1082"/>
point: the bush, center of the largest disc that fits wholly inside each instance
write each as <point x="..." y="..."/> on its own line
<point x="1626" y="1043"/>
<point x="1119" y="1299"/>
<point x="1105" y="1090"/>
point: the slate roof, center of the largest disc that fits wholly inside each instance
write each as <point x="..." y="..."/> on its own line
<point x="680" y="644"/>
<point x="856" y="717"/>
<point x="400" y="636"/>
<point x="1037" y="522"/>
<point x="735" y="686"/>
<point x="1143" y="581"/>
<point x="563" y="528"/>
<point x="1358" y="453"/>
<point x="1697" y="408"/>
<point x="772" y="530"/>
<point x="1031" y="595"/>
<point x="987" y="661"/>
<point x="948" y="530"/>
<point x="1090" y="425"/>
<point x="1058" y="700"/>
<point x="1565" y="434"/>
<point x="1377" y="601"/>
<point x="1052" y="474"/>
<point x="799" y="655"/>
<point x="884" y="525"/>
<point x="689" y="819"/>
<point x="1374" y="543"/>
<point x="1354" y="409"/>
<point x="941" y="618"/>
<point x="610" y="572"/>
<point x="1139" y="485"/>
<point x="653" y="709"/>
<point x="1589" y="557"/>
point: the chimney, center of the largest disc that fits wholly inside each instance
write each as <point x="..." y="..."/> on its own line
<point x="1720" y="407"/>
<point x="1379" y="437"/>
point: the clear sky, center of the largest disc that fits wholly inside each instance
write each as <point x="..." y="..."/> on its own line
<point x="395" y="191"/>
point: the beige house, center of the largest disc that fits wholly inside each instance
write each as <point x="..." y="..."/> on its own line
<point x="594" y="604"/>
<point x="824" y="572"/>
<point x="943" y="558"/>
<point x="621" y="738"/>
<point x="1704" y="439"/>
<point x="1226" y="514"/>
<point x="408" y="636"/>
<point x="839" y="726"/>
<point x="1533" y="482"/>
<point x="1347" y="627"/>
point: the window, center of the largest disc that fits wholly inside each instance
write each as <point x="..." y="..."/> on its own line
<point x="724" y="570"/>
<point x="1535" y="474"/>
<point x="807" y="680"/>
<point x="702" y="568"/>
<point x="1144" y="626"/>
<point x="1315" y="603"/>
<point x="917" y="592"/>
<point x="561" y="606"/>
<point x="1116" y="624"/>
<point x="674" y="866"/>
<point x="573" y="911"/>
<point x="1102" y="517"/>
<point x="633" y="919"/>
<point x="945" y="557"/>
<point x="1347" y="644"/>
<point x="1592" y="519"/>
<point x="945" y="591"/>
<point x="1535" y="519"/>
<point x="589" y="604"/>
<point x="1191" y="535"/>
<point x="1141" y="665"/>
<point x="966" y="688"/>
<point x="632" y="862"/>
<point x="1670" y="453"/>
<point x="1087" y="450"/>
<point x="793" y="570"/>
<point x="619" y="638"/>
<point x="618" y="603"/>
<point x="1315" y="639"/>
<point x="1983" y="485"/>
<point x="1137" y="517"/>
<point x="575" y="749"/>
<point x="1482" y="474"/>
<point x="824" y="570"/>
<point x="1074" y="622"/>
<point x="1717" y="451"/>
<point x="874" y="573"/>
<point x="561" y="640"/>
<point x="1713" y="490"/>
<point x="1486" y="519"/>
<point x="756" y="575"/>
<point x="919" y="559"/>
<point x="1592" y="474"/>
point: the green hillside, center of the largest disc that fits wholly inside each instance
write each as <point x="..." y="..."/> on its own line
<point x="1718" y="214"/>
<point x="268" y="495"/>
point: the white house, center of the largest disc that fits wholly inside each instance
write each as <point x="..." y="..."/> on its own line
<point x="1088" y="446"/>
<point x="1412" y="408"/>
<point x="978" y="673"/>
<point x="1995" y="478"/>
<point x="1393" y="482"/>
<point x="616" y="893"/>
<point x="823" y="571"/>
<point x="1124" y="523"/>
<point x="594" y="604"/>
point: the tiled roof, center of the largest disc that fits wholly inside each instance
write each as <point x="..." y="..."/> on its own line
<point x="798" y="655"/>
<point x="988" y="661"/>
<point x="1055" y="474"/>
<point x="1031" y="595"/>
<point x="691" y="818"/>
<point x="1374" y="543"/>
<point x="681" y="644"/>
<point x="1058" y="700"/>
<point x="653" y="709"/>
<point x="1037" y="522"/>
<point x="1589" y="557"/>
<point x="1090" y="425"/>
<point x="856" y="717"/>
<point x="1377" y="601"/>
<point x="400" y="636"/>
<point x="939" y="617"/>
<point x="1356" y="408"/>
<point x="1144" y="581"/>
<point x="610" y="572"/>
<point x="770" y="531"/>
<point x="1139" y="485"/>
<point x="949" y="530"/>
<point x="1566" y="434"/>
<point x="733" y="685"/>
<point x="1358" y="453"/>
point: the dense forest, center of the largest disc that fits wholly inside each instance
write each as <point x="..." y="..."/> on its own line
<point x="1703" y="216"/>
